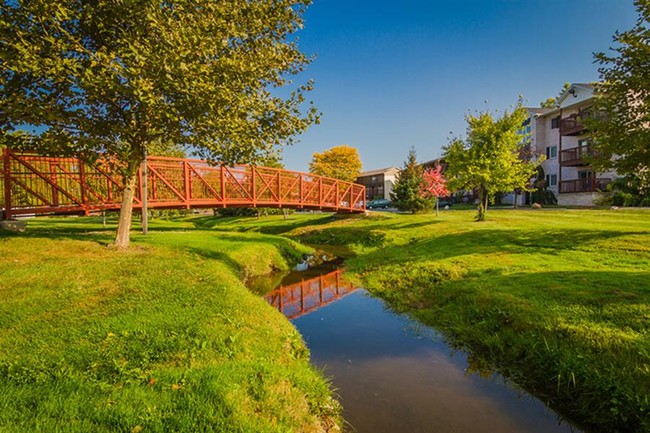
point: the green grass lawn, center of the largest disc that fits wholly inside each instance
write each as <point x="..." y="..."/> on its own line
<point x="557" y="300"/>
<point x="163" y="337"/>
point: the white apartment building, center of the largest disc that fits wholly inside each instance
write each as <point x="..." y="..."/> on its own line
<point x="560" y="134"/>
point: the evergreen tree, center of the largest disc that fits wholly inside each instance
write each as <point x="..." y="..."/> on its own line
<point x="407" y="193"/>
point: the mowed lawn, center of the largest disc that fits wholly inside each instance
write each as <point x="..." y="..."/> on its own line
<point x="165" y="337"/>
<point x="162" y="337"/>
<point x="557" y="300"/>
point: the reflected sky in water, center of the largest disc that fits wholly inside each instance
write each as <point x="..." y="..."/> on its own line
<point x="394" y="375"/>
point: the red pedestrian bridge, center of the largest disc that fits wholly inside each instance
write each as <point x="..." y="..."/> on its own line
<point x="35" y="184"/>
<point x="295" y="300"/>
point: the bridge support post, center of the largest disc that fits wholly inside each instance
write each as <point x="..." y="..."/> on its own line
<point x="6" y="164"/>
<point x="144" y="194"/>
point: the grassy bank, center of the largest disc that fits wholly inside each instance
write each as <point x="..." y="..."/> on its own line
<point x="164" y="337"/>
<point x="557" y="300"/>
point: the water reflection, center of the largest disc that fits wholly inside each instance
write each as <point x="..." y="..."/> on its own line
<point x="306" y="296"/>
<point x="393" y="374"/>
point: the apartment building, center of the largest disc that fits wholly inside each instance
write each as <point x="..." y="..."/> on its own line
<point x="379" y="183"/>
<point x="560" y="134"/>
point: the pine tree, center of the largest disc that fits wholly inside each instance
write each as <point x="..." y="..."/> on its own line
<point x="407" y="192"/>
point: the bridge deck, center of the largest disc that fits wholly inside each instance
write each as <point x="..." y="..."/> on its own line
<point x="34" y="184"/>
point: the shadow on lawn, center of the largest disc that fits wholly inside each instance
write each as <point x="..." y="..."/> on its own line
<point x="487" y="241"/>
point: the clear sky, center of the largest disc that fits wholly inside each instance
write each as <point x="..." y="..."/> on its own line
<point x="391" y="74"/>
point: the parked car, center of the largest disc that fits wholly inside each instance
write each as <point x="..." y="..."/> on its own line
<point x="379" y="203"/>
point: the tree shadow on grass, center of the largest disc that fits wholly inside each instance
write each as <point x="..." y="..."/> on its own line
<point x="488" y="242"/>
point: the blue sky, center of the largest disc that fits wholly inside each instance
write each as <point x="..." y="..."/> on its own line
<point x="394" y="74"/>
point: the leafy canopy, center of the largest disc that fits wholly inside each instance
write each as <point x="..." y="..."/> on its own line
<point x="119" y="77"/>
<point x="490" y="159"/>
<point x="408" y="192"/>
<point x="622" y="127"/>
<point x="129" y="77"/>
<point x="435" y="183"/>
<point x="339" y="162"/>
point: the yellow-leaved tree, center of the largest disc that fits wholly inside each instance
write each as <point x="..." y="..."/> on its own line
<point x="340" y="162"/>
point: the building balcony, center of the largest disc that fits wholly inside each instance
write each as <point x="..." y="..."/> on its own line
<point x="574" y="157"/>
<point x="574" y="124"/>
<point x="584" y="185"/>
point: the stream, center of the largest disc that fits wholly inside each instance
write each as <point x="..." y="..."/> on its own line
<point x="393" y="374"/>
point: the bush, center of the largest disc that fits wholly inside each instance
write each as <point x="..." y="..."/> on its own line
<point x="627" y="191"/>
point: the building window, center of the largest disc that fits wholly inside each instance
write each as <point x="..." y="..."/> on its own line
<point x="555" y="122"/>
<point x="551" y="152"/>
<point x="373" y="179"/>
<point x="551" y="180"/>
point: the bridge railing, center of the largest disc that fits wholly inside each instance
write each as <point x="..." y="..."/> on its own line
<point x="33" y="184"/>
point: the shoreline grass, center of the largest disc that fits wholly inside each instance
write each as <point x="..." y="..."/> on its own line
<point x="556" y="300"/>
<point x="163" y="337"/>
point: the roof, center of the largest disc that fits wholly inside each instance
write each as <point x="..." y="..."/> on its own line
<point x="379" y="171"/>
<point x="571" y="90"/>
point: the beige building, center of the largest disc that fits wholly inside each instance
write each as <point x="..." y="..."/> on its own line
<point x="560" y="134"/>
<point x="379" y="183"/>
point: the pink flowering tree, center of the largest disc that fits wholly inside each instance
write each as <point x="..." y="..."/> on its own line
<point x="434" y="185"/>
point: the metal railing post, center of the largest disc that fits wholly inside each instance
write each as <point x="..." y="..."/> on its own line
<point x="7" y="183"/>
<point x="144" y="194"/>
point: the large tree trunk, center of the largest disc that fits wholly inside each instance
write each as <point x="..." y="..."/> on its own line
<point x="123" y="236"/>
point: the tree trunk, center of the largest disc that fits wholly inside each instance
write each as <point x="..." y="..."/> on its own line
<point x="482" y="204"/>
<point x="123" y="236"/>
<point x="514" y="205"/>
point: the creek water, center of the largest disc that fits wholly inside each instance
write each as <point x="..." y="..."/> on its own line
<point x="393" y="374"/>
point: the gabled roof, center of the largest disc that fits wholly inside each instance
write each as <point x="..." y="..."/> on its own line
<point x="571" y="91"/>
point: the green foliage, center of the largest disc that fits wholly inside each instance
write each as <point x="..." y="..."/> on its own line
<point x="490" y="159"/>
<point x="630" y="190"/>
<point x="339" y="162"/>
<point x="407" y="191"/>
<point x="125" y="77"/>
<point x="622" y="105"/>
<point x="541" y="194"/>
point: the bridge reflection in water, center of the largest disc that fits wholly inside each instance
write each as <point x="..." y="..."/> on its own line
<point x="295" y="300"/>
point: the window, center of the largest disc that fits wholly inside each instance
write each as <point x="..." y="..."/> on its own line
<point x="555" y="122"/>
<point x="551" y="180"/>
<point x="373" y="179"/>
<point x="583" y="143"/>
<point x="551" y="152"/>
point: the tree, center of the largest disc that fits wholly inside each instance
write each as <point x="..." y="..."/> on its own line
<point x="434" y="184"/>
<point x="621" y="124"/>
<point x="489" y="159"/>
<point x="552" y="102"/>
<point x="339" y="162"/>
<point x="407" y="194"/>
<point x="125" y="78"/>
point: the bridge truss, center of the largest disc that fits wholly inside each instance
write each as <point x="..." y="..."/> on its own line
<point x="36" y="184"/>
